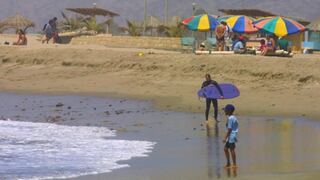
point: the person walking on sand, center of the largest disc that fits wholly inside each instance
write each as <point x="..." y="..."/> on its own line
<point x="48" y="31"/>
<point x="206" y="83"/>
<point x="231" y="136"/>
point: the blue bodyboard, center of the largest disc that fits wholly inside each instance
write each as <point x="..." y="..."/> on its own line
<point x="229" y="91"/>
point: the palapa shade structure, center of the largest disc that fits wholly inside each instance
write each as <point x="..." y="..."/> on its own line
<point x="17" y="21"/>
<point x="93" y="11"/>
<point x="247" y="12"/>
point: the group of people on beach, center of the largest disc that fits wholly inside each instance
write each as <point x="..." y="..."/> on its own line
<point x="232" y="124"/>
<point x="227" y="40"/>
<point x="50" y="31"/>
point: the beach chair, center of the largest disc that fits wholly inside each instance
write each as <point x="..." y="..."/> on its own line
<point x="212" y="42"/>
<point x="187" y="44"/>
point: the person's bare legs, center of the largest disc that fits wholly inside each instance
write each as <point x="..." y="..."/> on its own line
<point x="226" y="152"/>
<point x="233" y="156"/>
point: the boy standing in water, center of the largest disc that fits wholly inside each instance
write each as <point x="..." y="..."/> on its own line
<point x="231" y="136"/>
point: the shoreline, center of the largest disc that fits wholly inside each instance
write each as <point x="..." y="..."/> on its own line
<point x="156" y="103"/>
<point x="175" y="132"/>
<point x="269" y="86"/>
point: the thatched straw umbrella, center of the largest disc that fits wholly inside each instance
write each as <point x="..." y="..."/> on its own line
<point x="17" y="22"/>
<point x="93" y="12"/>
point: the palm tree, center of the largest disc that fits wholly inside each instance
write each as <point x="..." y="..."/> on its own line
<point x="133" y="28"/>
<point x="171" y="31"/>
<point x="71" y="24"/>
<point x="92" y="25"/>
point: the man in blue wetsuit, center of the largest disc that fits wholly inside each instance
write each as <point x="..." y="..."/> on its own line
<point x="206" y="83"/>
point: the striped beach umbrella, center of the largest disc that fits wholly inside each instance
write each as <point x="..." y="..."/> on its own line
<point x="279" y="26"/>
<point x="240" y="24"/>
<point x="202" y="22"/>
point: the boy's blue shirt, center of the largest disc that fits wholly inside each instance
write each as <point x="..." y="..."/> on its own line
<point x="234" y="126"/>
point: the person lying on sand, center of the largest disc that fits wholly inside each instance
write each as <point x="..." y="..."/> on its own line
<point x="231" y="136"/>
<point x="22" y="39"/>
<point x="206" y="83"/>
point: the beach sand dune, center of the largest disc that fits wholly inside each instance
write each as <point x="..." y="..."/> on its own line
<point x="270" y="86"/>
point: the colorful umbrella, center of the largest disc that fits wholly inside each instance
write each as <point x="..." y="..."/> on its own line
<point x="240" y="24"/>
<point x="279" y="26"/>
<point x="203" y="22"/>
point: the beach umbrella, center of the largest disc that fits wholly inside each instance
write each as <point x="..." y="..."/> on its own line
<point x="240" y="24"/>
<point x="204" y="22"/>
<point x="223" y="18"/>
<point x="279" y="26"/>
<point x="17" y="22"/>
<point x="93" y="11"/>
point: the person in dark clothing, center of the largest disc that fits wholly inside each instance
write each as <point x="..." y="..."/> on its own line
<point x="206" y="83"/>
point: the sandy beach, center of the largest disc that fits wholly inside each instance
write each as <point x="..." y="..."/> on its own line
<point x="269" y="86"/>
<point x="278" y="97"/>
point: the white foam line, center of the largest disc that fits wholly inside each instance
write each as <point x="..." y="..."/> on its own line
<point x="46" y="151"/>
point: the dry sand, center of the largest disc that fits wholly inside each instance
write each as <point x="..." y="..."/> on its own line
<point x="270" y="86"/>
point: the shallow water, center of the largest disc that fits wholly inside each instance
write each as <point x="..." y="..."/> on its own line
<point x="184" y="149"/>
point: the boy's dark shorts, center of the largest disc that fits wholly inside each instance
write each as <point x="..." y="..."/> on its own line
<point x="230" y="145"/>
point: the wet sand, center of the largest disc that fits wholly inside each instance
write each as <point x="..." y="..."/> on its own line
<point x="269" y="86"/>
<point x="278" y="148"/>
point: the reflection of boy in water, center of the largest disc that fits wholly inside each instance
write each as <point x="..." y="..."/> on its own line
<point x="231" y="136"/>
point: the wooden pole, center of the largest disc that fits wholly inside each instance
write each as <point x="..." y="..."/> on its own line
<point x="145" y="17"/>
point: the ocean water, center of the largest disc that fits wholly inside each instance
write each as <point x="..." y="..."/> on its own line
<point x="44" y="151"/>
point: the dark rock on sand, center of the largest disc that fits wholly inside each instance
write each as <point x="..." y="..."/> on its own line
<point x="59" y="105"/>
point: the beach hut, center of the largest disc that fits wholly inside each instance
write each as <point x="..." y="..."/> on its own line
<point x="312" y="36"/>
<point x="17" y="21"/>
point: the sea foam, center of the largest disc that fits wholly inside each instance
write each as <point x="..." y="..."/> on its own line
<point x="44" y="151"/>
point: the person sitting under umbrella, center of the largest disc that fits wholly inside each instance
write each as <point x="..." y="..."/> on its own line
<point x="22" y="39"/>
<point x="238" y="45"/>
<point x="271" y="46"/>
<point x="220" y="35"/>
<point x="283" y="44"/>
